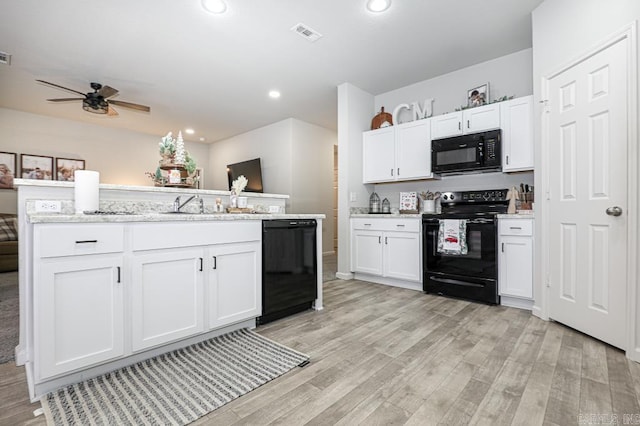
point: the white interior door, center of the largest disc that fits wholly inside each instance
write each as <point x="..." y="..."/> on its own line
<point x="587" y="163"/>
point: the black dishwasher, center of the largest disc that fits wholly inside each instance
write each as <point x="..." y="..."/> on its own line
<point x="289" y="267"/>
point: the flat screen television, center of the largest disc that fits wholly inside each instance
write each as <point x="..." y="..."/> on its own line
<point x="251" y="170"/>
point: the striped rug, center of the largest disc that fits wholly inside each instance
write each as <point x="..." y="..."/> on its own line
<point x="175" y="388"/>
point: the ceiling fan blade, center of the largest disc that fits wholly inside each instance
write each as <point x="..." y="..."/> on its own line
<point x="61" y="87"/>
<point x="65" y="99"/>
<point x="131" y="105"/>
<point x="107" y="91"/>
<point x="112" y="111"/>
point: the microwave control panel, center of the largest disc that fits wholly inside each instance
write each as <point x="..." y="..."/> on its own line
<point x="491" y="148"/>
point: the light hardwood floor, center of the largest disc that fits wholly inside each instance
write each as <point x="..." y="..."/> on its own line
<point x="384" y="355"/>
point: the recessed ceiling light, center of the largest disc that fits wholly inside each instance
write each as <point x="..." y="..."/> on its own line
<point x="378" y="5"/>
<point x="214" y="6"/>
<point x="189" y="131"/>
<point x="274" y="94"/>
<point x="201" y="139"/>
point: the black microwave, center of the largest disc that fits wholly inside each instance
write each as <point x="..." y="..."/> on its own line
<point x="479" y="152"/>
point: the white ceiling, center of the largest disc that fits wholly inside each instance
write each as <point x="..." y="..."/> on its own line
<point x="213" y="73"/>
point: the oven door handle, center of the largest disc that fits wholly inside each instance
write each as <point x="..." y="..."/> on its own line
<point x="483" y="221"/>
<point x="455" y="282"/>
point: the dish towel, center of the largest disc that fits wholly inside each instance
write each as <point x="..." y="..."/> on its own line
<point x="452" y="236"/>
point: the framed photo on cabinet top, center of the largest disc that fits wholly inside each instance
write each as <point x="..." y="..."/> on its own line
<point x="36" y="167"/>
<point x="478" y="96"/>
<point x="8" y="164"/>
<point x="66" y="168"/>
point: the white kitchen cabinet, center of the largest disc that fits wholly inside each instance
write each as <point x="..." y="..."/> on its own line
<point x="234" y="272"/>
<point x="516" y="117"/>
<point x="78" y="297"/>
<point x="167" y="296"/>
<point x="192" y="277"/>
<point x="398" y="153"/>
<point x="387" y="247"/>
<point x="400" y="252"/>
<point x="467" y="121"/>
<point x="366" y="251"/>
<point x="515" y="262"/>
<point x="378" y="155"/>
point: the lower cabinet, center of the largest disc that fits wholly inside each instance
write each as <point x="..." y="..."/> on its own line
<point x="78" y="308"/>
<point x="164" y="282"/>
<point x="388" y="248"/>
<point x="515" y="262"/>
<point x="234" y="284"/>
<point x="167" y="296"/>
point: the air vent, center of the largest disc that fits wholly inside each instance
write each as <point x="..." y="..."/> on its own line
<point x="5" y="58"/>
<point x="306" y="32"/>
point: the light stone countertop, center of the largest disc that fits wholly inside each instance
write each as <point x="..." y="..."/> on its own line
<point x="516" y="216"/>
<point x="162" y="217"/>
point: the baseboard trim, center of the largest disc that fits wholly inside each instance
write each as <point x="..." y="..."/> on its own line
<point x="344" y="276"/>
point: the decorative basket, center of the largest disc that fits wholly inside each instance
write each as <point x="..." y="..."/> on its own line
<point x="382" y="119"/>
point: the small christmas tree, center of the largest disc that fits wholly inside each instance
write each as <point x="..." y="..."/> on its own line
<point x="180" y="154"/>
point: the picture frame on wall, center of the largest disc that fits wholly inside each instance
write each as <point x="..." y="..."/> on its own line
<point x="36" y="167"/>
<point x="66" y="168"/>
<point x="8" y="165"/>
<point x="478" y="96"/>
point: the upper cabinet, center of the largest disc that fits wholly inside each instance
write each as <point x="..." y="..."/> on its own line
<point x="470" y="120"/>
<point x="397" y="153"/>
<point x="403" y="152"/>
<point x="516" y="118"/>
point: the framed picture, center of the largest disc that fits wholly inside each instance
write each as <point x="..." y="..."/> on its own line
<point x="66" y="168"/>
<point x="36" y="167"/>
<point x="478" y="96"/>
<point x="8" y="164"/>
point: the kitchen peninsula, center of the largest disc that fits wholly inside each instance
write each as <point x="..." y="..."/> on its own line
<point x="101" y="291"/>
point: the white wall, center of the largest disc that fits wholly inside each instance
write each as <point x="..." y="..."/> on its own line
<point x="312" y="174"/>
<point x="121" y="156"/>
<point x="563" y="30"/>
<point x="508" y="75"/>
<point x="296" y="159"/>
<point x="355" y="110"/>
<point x="272" y="144"/>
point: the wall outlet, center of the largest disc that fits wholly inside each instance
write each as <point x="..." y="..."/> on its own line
<point x="353" y="196"/>
<point x="48" y="206"/>
<point x="274" y="209"/>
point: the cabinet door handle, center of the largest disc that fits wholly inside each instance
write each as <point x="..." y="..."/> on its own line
<point x="515" y="227"/>
<point x="398" y="171"/>
<point x="391" y="172"/>
<point x="379" y="240"/>
<point x="86" y="241"/>
<point x="215" y="262"/>
<point x="468" y="125"/>
<point x="118" y="275"/>
<point x="507" y="160"/>
<point x="400" y="225"/>
<point x="503" y="247"/>
<point x="201" y="262"/>
<point x="385" y="240"/>
<point x="367" y="224"/>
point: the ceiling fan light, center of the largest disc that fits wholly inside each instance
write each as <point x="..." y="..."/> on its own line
<point x="378" y="5"/>
<point x="214" y="6"/>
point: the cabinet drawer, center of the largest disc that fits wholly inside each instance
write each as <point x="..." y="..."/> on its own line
<point x="77" y="239"/>
<point x="390" y="224"/>
<point x="516" y="226"/>
<point x="150" y="236"/>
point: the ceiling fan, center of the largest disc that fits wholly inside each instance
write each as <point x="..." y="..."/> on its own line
<point x="96" y="101"/>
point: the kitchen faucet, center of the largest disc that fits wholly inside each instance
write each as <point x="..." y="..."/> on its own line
<point x="177" y="206"/>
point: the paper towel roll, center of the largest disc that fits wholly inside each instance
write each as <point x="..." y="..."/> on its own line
<point x="87" y="191"/>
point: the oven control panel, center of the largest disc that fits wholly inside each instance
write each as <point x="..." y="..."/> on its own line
<point x="474" y="196"/>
